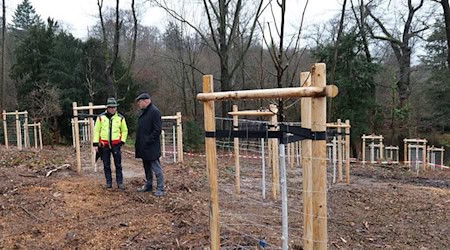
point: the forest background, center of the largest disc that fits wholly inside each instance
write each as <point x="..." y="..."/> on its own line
<point x="389" y="58"/>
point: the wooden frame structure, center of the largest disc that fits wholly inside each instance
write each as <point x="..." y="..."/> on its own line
<point x="90" y="109"/>
<point x="431" y="156"/>
<point x="391" y="154"/>
<point x="342" y="151"/>
<point x="314" y="114"/>
<point x="417" y="145"/>
<point x="272" y="146"/>
<point x="376" y="142"/>
<point x="37" y="133"/>
<point x="179" y="133"/>
<point x="19" y="137"/>
<point x="85" y="131"/>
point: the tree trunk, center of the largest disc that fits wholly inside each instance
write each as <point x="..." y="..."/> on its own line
<point x="3" y="103"/>
<point x="446" y="7"/>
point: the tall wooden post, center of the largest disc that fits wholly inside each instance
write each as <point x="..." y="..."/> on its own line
<point x="5" y="129"/>
<point x="381" y="148"/>
<point x="237" y="169"/>
<point x="424" y="155"/>
<point x="163" y="143"/>
<point x="339" y="130"/>
<point x="405" y="152"/>
<point x="211" y="164"/>
<point x="40" y="135"/>
<point x="319" y="171"/>
<point x="347" y="151"/>
<point x="18" y="137"/>
<point x="26" y="140"/>
<point x="305" y="81"/>
<point x="77" y="136"/>
<point x="179" y="137"/>
<point x="35" y="135"/>
<point x="274" y="160"/>
<point x="364" y="149"/>
<point x="91" y="136"/>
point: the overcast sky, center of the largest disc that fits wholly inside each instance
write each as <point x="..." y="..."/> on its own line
<point x="78" y="15"/>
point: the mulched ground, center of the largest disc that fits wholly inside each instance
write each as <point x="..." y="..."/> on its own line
<point x="386" y="206"/>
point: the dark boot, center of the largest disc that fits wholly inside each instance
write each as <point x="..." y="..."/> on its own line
<point x="146" y="188"/>
<point x="108" y="185"/>
<point x="159" y="193"/>
<point x="120" y="187"/>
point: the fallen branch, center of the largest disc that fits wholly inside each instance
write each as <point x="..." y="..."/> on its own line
<point x="56" y="169"/>
<point x="134" y="237"/>
<point x="30" y="214"/>
<point x="28" y="175"/>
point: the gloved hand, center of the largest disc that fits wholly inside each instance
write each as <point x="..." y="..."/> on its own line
<point x="122" y="143"/>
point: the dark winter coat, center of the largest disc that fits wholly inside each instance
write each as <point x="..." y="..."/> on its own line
<point x="149" y="125"/>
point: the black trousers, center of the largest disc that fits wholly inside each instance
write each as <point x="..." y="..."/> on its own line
<point x="106" y="158"/>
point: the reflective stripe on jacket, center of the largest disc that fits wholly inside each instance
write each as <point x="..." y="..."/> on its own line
<point x="106" y="136"/>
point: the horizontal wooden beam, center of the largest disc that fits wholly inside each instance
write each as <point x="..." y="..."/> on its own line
<point x="252" y="113"/>
<point x="14" y="113"/>
<point x="372" y="137"/>
<point x="415" y="140"/>
<point x="169" y="117"/>
<point x="295" y="92"/>
<point x="90" y="107"/>
<point x="334" y="125"/>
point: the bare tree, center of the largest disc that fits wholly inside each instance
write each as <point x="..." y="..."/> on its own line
<point x="223" y="18"/>
<point x="446" y="8"/>
<point x="111" y="52"/>
<point x="401" y="43"/>
<point x="3" y="80"/>
<point x="336" y="43"/>
<point x="283" y="55"/>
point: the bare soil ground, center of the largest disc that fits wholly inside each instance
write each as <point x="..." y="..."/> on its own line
<point x="385" y="207"/>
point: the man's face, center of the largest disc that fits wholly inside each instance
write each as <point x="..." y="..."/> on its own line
<point x="111" y="110"/>
<point x="143" y="103"/>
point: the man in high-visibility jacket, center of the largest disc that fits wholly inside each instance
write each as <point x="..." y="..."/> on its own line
<point x="110" y="133"/>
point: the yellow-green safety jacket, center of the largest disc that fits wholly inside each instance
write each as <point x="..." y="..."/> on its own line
<point x="104" y="135"/>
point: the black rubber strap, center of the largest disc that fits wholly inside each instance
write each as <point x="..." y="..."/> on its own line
<point x="244" y="134"/>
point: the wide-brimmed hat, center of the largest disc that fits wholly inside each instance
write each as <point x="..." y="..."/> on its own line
<point x="142" y="96"/>
<point x="111" y="102"/>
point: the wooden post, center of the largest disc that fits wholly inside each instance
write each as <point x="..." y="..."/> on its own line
<point x="91" y="136"/>
<point x="211" y="164"/>
<point x="339" y="130"/>
<point x="305" y="80"/>
<point x="381" y="148"/>
<point x="40" y="135"/>
<point x="77" y="136"/>
<point x="347" y="151"/>
<point x="5" y="128"/>
<point x="179" y="137"/>
<point x="26" y="140"/>
<point x="73" y="132"/>
<point x="237" y="170"/>
<point x="35" y="135"/>
<point x="405" y="152"/>
<point x="274" y="159"/>
<point x="293" y="155"/>
<point x="18" y="141"/>
<point x="364" y="149"/>
<point x="163" y="144"/>
<point x="442" y="156"/>
<point x="424" y="155"/>
<point x="372" y="152"/>
<point x="319" y="171"/>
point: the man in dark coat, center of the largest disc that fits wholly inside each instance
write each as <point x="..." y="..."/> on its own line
<point x="148" y="143"/>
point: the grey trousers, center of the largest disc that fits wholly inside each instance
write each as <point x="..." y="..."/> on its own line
<point x="151" y="167"/>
